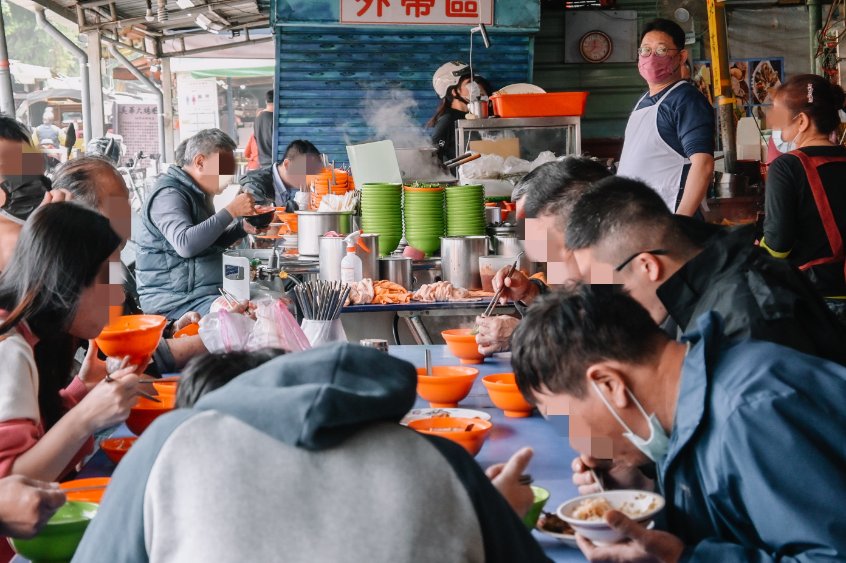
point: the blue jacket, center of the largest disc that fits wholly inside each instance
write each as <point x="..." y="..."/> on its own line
<point x="166" y="280"/>
<point x="757" y="464"/>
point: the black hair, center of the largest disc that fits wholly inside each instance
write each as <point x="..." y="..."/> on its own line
<point x="565" y="332"/>
<point x="669" y="27"/>
<point x="268" y="96"/>
<point x="300" y="148"/>
<point x="60" y="252"/>
<point x="553" y="188"/>
<point x="452" y="93"/>
<point x="816" y="97"/>
<point x="78" y="176"/>
<point x="204" y="374"/>
<point x="13" y="130"/>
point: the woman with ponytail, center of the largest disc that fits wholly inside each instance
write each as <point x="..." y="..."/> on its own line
<point x="805" y="219"/>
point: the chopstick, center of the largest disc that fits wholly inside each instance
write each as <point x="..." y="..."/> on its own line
<point x="597" y="480"/>
<point x="148" y="396"/>
<point x="83" y="489"/>
<point x="225" y="295"/>
<point x="526" y="479"/>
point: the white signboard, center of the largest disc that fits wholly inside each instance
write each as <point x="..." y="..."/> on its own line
<point x="197" y="104"/>
<point x="417" y="12"/>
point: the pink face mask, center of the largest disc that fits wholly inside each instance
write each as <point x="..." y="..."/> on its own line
<point x="655" y="69"/>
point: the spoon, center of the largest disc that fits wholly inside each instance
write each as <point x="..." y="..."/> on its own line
<point x="428" y="362"/>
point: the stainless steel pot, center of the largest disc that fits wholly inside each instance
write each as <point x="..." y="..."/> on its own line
<point x="396" y="269"/>
<point x="730" y="185"/>
<point x="493" y="215"/>
<point x="314" y="224"/>
<point x="332" y="251"/>
<point x="369" y="257"/>
<point x="460" y="260"/>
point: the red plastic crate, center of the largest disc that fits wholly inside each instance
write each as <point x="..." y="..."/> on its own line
<point x="555" y="104"/>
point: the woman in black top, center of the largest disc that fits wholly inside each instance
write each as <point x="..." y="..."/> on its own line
<point x="805" y="219"/>
<point x="452" y="84"/>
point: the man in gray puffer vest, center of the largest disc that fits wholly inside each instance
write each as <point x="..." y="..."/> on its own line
<point x="179" y="264"/>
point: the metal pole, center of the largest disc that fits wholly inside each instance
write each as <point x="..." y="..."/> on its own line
<point x="167" y="97"/>
<point x="814" y="27"/>
<point x="230" y="110"/>
<point x="150" y="86"/>
<point x="84" y="78"/>
<point x="7" y="96"/>
<point x="721" y="79"/>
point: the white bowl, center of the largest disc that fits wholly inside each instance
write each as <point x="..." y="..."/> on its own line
<point x="643" y="504"/>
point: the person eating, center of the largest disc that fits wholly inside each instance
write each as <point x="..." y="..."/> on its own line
<point x="182" y="238"/>
<point x="669" y="139"/>
<point x="678" y="269"/>
<point x="280" y="182"/>
<point x="805" y="219"/>
<point x="733" y="432"/>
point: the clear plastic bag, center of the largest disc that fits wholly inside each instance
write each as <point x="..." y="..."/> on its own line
<point x="276" y="327"/>
<point x="225" y="332"/>
<point x="324" y="332"/>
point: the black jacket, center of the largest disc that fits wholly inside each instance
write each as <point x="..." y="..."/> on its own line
<point x="260" y="184"/>
<point x="758" y="296"/>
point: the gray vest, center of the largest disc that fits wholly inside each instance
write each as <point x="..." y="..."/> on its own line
<point x="166" y="280"/>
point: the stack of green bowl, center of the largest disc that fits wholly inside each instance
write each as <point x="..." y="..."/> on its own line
<point x="381" y="213"/>
<point x="465" y="210"/>
<point x="423" y="214"/>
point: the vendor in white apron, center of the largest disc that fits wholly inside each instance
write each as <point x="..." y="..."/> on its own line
<point x="669" y="141"/>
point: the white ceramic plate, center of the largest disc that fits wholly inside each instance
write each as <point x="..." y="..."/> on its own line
<point x="570" y="539"/>
<point x="417" y="414"/>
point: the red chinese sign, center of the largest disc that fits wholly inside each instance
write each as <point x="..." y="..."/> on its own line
<point x="417" y="12"/>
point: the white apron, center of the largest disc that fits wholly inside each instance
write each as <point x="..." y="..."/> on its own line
<point x="647" y="157"/>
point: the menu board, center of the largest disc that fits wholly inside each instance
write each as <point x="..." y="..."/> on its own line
<point x="138" y="124"/>
<point x="753" y="81"/>
<point x="197" y="104"/>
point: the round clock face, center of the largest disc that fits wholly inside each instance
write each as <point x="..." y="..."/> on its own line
<point x="595" y="47"/>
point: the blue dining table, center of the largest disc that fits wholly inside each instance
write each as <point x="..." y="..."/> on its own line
<point x="550" y="465"/>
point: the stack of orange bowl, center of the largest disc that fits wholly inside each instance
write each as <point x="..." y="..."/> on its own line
<point x="325" y="183"/>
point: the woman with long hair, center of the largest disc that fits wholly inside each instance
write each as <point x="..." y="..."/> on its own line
<point x="54" y="294"/>
<point x="805" y="219"/>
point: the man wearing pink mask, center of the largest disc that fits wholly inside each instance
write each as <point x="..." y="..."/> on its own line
<point x="669" y="141"/>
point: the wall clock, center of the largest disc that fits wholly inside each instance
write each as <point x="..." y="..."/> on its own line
<point x="595" y="46"/>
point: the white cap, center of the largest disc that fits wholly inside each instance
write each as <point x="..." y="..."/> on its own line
<point x="449" y="75"/>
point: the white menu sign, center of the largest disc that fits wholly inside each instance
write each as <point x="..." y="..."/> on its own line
<point x="197" y="104"/>
<point x="417" y="12"/>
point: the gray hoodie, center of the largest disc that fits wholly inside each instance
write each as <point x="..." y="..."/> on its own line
<point x="302" y="460"/>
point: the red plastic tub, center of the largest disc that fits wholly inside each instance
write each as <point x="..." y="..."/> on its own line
<point x="555" y="104"/>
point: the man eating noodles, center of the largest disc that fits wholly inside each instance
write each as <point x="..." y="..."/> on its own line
<point x="745" y="439"/>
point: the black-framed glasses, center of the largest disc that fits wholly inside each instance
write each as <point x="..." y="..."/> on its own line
<point x="659" y="51"/>
<point x="656" y="252"/>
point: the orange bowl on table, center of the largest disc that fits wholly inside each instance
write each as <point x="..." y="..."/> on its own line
<point x="503" y="391"/>
<point x="135" y="336"/>
<point x="166" y="386"/>
<point x="116" y="448"/>
<point x="192" y="329"/>
<point x="93" y="495"/>
<point x="468" y="433"/>
<point x="146" y="411"/>
<point x="462" y="344"/>
<point x="446" y="386"/>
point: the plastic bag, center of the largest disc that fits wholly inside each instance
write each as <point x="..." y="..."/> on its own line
<point x="276" y="328"/>
<point x="225" y="332"/>
<point x="324" y="332"/>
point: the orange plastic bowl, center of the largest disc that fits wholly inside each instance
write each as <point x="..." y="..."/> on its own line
<point x="135" y="336"/>
<point x="192" y="329"/>
<point x="456" y="429"/>
<point x="503" y="391"/>
<point x="462" y="344"/>
<point x="166" y="386"/>
<point x="116" y="448"/>
<point x="446" y="386"/>
<point x="93" y="495"/>
<point x="146" y="411"/>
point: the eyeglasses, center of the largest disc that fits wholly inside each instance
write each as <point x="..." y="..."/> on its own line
<point x="660" y="51"/>
<point x="656" y="252"/>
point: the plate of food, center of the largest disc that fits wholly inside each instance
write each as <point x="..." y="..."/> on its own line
<point x="765" y="80"/>
<point x="417" y="414"/>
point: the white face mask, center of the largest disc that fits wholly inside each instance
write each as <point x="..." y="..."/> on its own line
<point x="224" y="180"/>
<point x="780" y="143"/>
<point x="657" y="445"/>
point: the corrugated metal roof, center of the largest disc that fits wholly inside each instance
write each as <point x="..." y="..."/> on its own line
<point x="327" y="75"/>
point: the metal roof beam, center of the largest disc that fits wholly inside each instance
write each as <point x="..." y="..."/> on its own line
<point x="171" y="14"/>
<point x="213" y="48"/>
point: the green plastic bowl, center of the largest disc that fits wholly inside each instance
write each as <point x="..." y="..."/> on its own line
<point x="541" y="496"/>
<point x="58" y="539"/>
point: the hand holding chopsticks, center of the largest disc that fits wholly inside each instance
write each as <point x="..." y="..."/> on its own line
<point x="492" y="305"/>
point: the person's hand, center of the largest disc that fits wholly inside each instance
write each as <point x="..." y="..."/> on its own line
<point x="109" y="402"/>
<point x="252" y="229"/>
<point x="517" y="286"/>
<point x="613" y="475"/>
<point x="242" y="205"/>
<point x="245" y="307"/>
<point x="506" y="478"/>
<point x="644" y="546"/>
<point x="494" y="333"/>
<point x="93" y="369"/>
<point x="55" y="196"/>
<point x="26" y="505"/>
<point x="188" y="318"/>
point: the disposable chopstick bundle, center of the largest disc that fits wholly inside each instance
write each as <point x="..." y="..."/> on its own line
<point x="321" y="300"/>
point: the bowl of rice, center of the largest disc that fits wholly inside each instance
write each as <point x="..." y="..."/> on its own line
<point x="586" y="514"/>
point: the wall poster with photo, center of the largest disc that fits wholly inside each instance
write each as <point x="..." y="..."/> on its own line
<point x="753" y="82"/>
